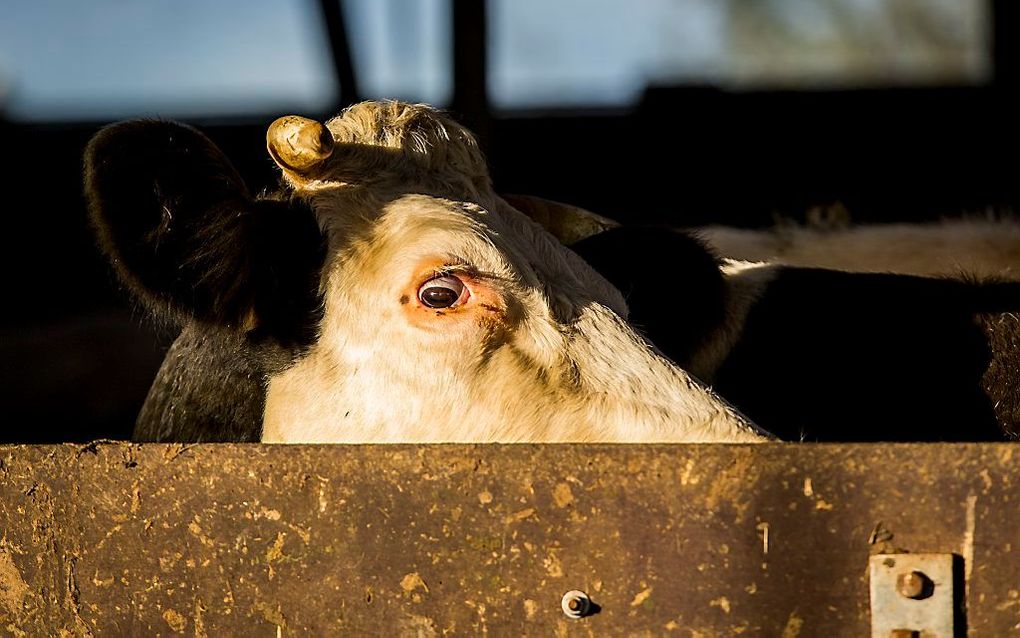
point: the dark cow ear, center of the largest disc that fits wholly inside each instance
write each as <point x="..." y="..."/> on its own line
<point x="567" y="223"/>
<point x="178" y="224"/>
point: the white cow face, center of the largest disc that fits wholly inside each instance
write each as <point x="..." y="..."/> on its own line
<point x="449" y="315"/>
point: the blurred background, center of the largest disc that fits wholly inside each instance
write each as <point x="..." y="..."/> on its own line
<point x="680" y="111"/>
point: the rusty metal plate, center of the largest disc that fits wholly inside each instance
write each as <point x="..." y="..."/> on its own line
<point x="686" y="540"/>
<point x="912" y="594"/>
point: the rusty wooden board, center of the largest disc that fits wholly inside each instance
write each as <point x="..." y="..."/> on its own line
<point x="209" y="540"/>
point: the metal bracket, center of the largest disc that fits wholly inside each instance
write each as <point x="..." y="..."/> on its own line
<point x="912" y="596"/>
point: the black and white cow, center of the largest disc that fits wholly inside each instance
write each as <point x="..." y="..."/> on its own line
<point x="816" y="354"/>
<point x="387" y="294"/>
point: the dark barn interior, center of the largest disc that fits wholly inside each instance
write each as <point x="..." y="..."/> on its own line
<point x="78" y="358"/>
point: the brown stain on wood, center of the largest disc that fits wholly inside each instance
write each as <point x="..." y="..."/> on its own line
<point x="13" y="588"/>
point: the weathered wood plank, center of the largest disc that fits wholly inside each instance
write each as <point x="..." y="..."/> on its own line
<point x="120" y="539"/>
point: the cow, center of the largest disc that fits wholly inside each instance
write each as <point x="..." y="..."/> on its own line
<point x="823" y="355"/>
<point x="386" y="294"/>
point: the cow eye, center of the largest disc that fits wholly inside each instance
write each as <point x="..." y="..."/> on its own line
<point x="441" y="292"/>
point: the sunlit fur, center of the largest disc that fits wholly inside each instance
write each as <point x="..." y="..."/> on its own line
<point x="974" y="246"/>
<point x="539" y="353"/>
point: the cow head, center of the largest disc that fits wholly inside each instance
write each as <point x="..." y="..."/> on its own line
<point x="422" y="306"/>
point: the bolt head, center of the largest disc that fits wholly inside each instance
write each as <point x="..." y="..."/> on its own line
<point x="915" y="585"/>
<point x="575" y="603"/>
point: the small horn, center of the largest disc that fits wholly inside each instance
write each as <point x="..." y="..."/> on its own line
<point x="297" y="143"/>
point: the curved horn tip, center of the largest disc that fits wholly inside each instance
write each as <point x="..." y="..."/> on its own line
<point x="298" y="143"/>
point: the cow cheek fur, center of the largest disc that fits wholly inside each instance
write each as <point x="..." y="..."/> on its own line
<point x="390" y="380"/>
<point x="494" y="390"/>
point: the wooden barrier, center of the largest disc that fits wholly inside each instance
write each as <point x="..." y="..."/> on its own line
<point x="689" y="540"/>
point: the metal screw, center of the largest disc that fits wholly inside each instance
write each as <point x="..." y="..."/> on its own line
<point x="915" y="585"/>
<point x="575" y="603"/>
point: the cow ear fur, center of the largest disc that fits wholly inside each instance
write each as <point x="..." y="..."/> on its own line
<point x="177" y="222"/>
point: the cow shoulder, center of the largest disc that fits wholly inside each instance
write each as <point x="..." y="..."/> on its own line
<point x="209" y="388"/>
